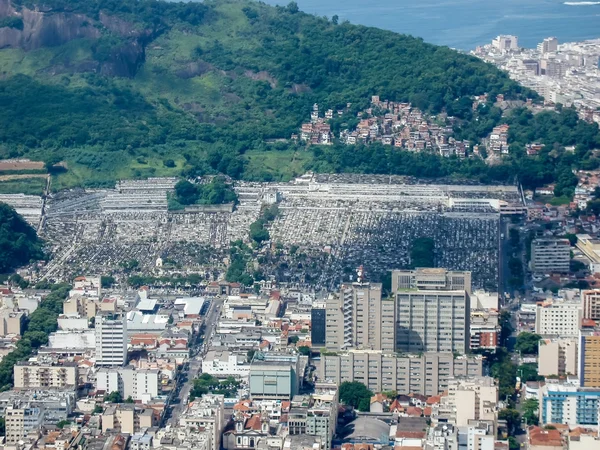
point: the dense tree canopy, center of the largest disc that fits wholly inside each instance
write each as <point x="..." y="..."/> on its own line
<point x="213" y="193"/>
<point x="421" y="253"/>
<point x="356" y="394"/>
<point x="19" y="243"/>
<point x="206" y="383"/>
<point x="527" y="343"/>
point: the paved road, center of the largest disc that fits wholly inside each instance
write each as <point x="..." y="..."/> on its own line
<point x="195" y="364"/>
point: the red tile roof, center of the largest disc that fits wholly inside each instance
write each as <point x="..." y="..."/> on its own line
<point x="434" y="400"/>
<point x="546" y="438"/>
<point x="414" y="411"/>
<point x="253" y="423"/>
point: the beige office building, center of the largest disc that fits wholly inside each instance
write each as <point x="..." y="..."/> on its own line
<point x="11" y="323"/>
<point x="30" y="375"/>
<point x="128" y="418"/>
<point x="78" y="305"/>
<point x="557" y="357"/>
<point x="432" y="310"/>
<point x="357" y="318"/>
<point x="426" y="374"/>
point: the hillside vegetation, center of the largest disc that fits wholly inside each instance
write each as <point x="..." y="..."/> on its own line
<point x="19" y="243"/>
<point x="160" y="88"/>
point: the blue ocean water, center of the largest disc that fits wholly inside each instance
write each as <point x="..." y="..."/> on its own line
<point x="465" y="24"/>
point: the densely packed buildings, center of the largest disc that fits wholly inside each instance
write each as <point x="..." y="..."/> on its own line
<point x="565" y="73"/>
<point x="224" y="365"/>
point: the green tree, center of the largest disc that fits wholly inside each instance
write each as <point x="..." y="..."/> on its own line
<point x="529" y="372"/>
<point x="530" y="411"/>
<point x="513" y="443"/>
<point x="422" y="253"/>
<point x="513" y="419"/>
<point x="527" y="343"/>
<point x="304" y="350"/>
<point x="506" y="326"/>
<point x="63" y="423"/>
<point x="354" y="393"/>
<point x="293" y="340"/>
<point x="107" y="281"/>
<point x="19" y="243"/>
<point x="114" y="397"/>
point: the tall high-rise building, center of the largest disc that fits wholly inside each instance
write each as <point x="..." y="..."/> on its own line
<point x="318" y="325"/>
<point x="589" y="358"/>
<point x="550" y="255"/>
<point x="548" y="45"/>
<point x="111" y="340"/>
<point x="358" y="318"/>
<point x="432" y="310"/>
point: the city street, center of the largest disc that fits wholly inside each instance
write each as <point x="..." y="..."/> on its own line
<point x="186" y="378"/>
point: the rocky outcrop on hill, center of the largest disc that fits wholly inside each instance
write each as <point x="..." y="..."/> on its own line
<point x="30" y="29"/>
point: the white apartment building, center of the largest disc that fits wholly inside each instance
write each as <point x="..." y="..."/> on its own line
<point x="208" y="414"/>
<point x="139" y="384"/>
<point x="558" y="318"/>
<point x="550" y="255"/>
<point x="473" y="398"/>
<point x="111" y="340"/>
<point x="222" y="364"/>
<point x="20" y="420"/>
<point x="548" y="45"/>
<point x="506" y="42"/>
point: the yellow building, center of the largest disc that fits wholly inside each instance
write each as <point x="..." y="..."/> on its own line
<point x="589" y="358"/>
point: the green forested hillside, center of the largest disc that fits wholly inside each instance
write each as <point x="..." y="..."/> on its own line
<point x="19" y="243"/>
<point x="216" y="86"/>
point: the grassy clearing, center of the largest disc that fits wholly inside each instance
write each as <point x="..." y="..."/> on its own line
<point x="282" y="165"/>
<point x="29" y="186"/>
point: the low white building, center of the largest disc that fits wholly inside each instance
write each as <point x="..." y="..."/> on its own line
<point x="224" y="364"/>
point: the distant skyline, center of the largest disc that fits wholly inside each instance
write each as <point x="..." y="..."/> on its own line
<point x="465" y="24"/>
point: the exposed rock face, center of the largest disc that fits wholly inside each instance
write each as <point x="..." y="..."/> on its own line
<point x="125" y="60"/>
<point x="52" y="28"/>
<point x="42" y="29"/>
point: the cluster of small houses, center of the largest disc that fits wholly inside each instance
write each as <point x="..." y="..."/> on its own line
<point x="404" y="126"/>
